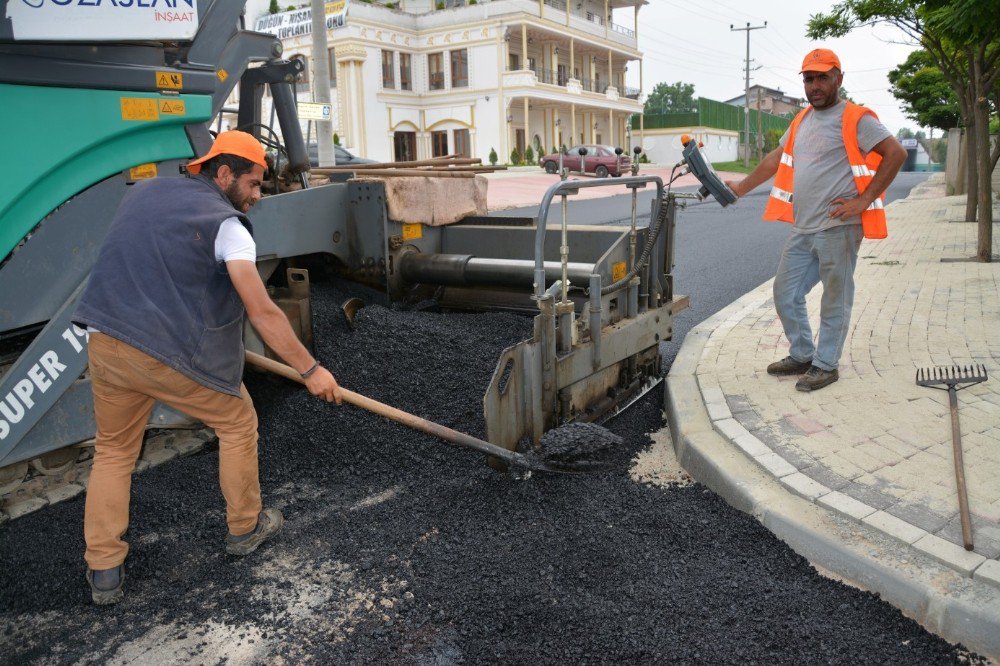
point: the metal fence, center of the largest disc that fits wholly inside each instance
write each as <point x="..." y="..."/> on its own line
<point x="719" y="115"/>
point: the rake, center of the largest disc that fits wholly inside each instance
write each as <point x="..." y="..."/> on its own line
<point x="953" y="379"/>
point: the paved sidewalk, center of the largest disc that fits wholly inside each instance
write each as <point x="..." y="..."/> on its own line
<point x="872" y="453"/>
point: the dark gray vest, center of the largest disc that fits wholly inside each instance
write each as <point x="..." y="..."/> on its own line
<point x="158" y="287"/>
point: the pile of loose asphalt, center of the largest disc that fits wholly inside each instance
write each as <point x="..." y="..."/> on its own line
<point x="399" y="548"/>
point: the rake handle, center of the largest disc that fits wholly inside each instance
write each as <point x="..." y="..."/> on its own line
<point x="397" y="415"/>
<point x="956" y="443"/>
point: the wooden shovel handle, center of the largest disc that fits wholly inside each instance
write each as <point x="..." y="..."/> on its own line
<point x="398" y="415"/>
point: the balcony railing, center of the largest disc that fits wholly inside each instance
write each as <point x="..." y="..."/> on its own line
<point x="558" y="4"/>
<point x="631" y="93"/>
<point x="623" y="30"/>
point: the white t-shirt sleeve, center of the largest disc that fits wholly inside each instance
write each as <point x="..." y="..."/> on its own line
<point x="234" y="242"/>
<point x="871" y="133"/>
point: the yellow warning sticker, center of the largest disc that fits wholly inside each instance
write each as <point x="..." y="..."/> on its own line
<point x="142" y="172"/>
<point x="169" y="80"/>
<point x="172" y="107"/>
<point x="413" y="231"/>
<point x="617" y="271"/>
<point x="222" y="74"/>
<point x="139" y="108"/>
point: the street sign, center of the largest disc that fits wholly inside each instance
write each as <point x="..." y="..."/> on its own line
<point x="314" y="111"/>
<point x="909" y="143"/>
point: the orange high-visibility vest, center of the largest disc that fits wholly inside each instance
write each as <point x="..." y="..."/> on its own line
<point x="779" y="204"/>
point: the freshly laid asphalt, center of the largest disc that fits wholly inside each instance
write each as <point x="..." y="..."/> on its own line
<point x="401" y="548"/>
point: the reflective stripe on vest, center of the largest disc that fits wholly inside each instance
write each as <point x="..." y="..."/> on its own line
<point x="779" y="204"/>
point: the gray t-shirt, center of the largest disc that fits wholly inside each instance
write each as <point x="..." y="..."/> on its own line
<point x="822" y="172"/>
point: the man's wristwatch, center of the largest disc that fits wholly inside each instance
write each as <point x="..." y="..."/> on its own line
<point x="311" y="371"/>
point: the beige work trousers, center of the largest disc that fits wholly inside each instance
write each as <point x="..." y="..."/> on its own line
<point x="126" y="383"/>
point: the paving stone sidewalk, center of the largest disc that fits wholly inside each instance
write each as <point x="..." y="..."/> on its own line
<point x="874" y="446"/>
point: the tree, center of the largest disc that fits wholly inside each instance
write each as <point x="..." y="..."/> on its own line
<point x="493" y="156"/>
<point x="926" y="96"/>
<point x="671" y="98"/>
<point x="273" y="8"/>
<point x="962" y="39"/>
<point x="905" y="133"/>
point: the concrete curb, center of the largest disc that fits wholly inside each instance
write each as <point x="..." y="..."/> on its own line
<point x="833" y="531"/>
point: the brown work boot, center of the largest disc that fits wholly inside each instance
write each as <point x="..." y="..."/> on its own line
<point x="788" y="366"/>
<point x="107" y="585"/>
<point x="816" y="378"/>
<point x="269" y="523"/>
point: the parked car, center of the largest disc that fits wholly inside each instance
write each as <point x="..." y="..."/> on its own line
<point x="599" y="160"/>
<point x="344" y="157"/>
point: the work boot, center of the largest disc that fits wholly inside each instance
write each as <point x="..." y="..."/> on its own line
<point x="788" y="366"/>
<point x="269" y="523"/>
<point x="106" y="585"/>
<point x="816" y="378"/>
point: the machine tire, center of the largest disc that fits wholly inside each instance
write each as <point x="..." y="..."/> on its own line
<point x="601" y="171"/>
<point x="551" y="167"/>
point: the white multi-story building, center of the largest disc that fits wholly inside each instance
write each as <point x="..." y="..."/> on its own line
<point x="415" y="79"/>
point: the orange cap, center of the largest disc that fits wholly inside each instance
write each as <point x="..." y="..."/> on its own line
<point x="820" y="60"/>
<point x="232" y="142"/>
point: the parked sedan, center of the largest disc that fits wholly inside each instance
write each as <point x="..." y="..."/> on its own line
<point x="599" y="160"/>
<point x="343" y="156"/>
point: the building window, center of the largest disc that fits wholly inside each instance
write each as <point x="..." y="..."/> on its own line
<point x="333" y="69"/>
<point x="439" y="144"/>
<point x="460" y="68"/>
<point x="515" y="62"/>
<point x="405" y="79"/>
<point x="405" y="146"/>
<point x="463" y="147"/>
<point x="561" y="75"/>
<point x="531" y="63"/>
<point x="388" y="69"/>
<point x="303" y="79"/>
<point x="435" y="71"/>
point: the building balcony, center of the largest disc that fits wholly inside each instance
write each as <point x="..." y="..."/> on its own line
<point x="584" y="22"/>
<point x="570" y="89"/>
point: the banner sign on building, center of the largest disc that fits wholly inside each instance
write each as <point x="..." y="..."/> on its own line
<point x="97" y="21"/>
<point x="298" y="23"/>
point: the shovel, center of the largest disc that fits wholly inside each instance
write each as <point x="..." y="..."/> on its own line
<point x="529" y="462"/>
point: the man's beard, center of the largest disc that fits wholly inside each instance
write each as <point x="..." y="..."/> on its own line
<point x="233" y="194"/>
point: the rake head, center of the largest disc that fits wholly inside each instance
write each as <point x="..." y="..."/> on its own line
<point x="951" y="375"/>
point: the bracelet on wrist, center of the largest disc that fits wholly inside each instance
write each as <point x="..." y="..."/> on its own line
<point x="311" y="371"/>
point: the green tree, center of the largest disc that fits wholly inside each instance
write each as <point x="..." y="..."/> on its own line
<point x="529" y="155"/>
<point x="963" y="42"/>
<point x="493" y="156"/>
<point x="924" y="92"/>
<point x="515" y="157"/>
<point x="273" y="8"/>
<point x="671" y="98"/>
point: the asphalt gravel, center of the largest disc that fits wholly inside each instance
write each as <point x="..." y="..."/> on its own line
<point x="399" y="548"/>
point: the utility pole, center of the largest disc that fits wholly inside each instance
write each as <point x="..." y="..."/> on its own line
<point x="746" y="93"/>
<point x="321" y="84"/>
<point x="760" y="141"/>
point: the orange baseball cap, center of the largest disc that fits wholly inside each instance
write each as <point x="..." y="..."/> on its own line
<point x="232" y="142"/>
<point x="820" y="60"/>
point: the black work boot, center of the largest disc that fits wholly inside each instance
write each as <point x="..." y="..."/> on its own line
<point x="107" y="585"/>
<point x="816" y="378"/>
<point x="269" y="523"/>
<point x="788" y="366"/>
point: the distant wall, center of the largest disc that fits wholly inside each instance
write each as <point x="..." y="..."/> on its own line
<point x="663" y="146"/>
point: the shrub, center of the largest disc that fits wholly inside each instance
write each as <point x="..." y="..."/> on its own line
<point x="771" y="139"/>
<point x="529" y="156"/>
<point x="493" y="157"/>
<point x="440" y="4"/>
<point x="643" y="159"/>
<point x="273" y="8"/>
<point x="336" y="139"/>
<point x="515" y="157"/>
<point x="473" y="2"/>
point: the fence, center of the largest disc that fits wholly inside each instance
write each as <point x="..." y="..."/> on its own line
<point x="718" y="115"/>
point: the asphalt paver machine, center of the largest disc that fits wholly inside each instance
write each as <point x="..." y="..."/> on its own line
<point x="92" y="108"/>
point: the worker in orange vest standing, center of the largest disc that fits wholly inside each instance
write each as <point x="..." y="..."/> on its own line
<point x="830" y="171"/>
